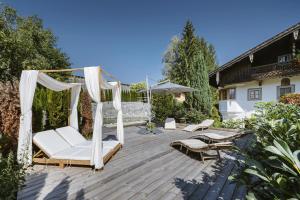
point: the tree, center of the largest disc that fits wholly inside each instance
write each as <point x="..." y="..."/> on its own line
<point x="26" y="44"/>
<point x="186" y="63"/>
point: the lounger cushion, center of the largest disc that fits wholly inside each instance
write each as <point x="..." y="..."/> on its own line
<point x="205" y="124"/>
<point x="193" y="143"/>
<point x="72" y="136"/>
<point x="50" y="142"/>
<point x="218" y="136"/>
<point x="170" y="123"/>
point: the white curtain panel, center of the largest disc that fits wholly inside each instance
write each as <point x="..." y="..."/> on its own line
<point x="75" y="92"/>
<point x="116" y="90"/>
<point x="92" y="82"/>
<point x="27" y="87"/>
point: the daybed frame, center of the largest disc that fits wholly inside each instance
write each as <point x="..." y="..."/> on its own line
<point x="42" y="158"/>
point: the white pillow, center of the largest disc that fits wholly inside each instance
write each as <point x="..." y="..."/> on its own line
<point x="71" y="135"/>
<point x="50" y="142"/>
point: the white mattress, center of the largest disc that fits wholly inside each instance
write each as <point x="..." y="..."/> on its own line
<point x="81" y="153"/>
<point x="50" y="142"/>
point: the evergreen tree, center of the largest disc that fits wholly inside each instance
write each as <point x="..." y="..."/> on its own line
<point x="189" y="67"/>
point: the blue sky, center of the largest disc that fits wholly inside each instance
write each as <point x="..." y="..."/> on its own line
<point x="129" y="37"/>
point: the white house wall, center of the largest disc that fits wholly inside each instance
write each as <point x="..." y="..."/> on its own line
<point x="241" y="106"/>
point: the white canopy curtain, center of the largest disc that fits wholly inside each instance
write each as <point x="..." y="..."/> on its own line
<point x="28" y="81"/>
<point x="117" y="105"/>
<point x="94" y="83"/>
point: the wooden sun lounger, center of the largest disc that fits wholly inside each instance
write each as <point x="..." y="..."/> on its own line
<point x="194" y="127"/>
<point x="51" y="153"/>
<point x="201" y="147"/>
<point x="218" y="137"/>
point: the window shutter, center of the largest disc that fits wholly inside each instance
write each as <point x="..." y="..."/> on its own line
<point x="293" y="88"/>
<point x="278" y="92"/>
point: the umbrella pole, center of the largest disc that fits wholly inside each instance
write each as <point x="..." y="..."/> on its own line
<point x="148" y="97"/>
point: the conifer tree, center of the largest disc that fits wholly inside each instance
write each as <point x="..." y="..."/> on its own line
<point x="189" y="68"/>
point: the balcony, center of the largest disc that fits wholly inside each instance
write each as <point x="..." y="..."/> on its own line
<point x="275" y="70"/>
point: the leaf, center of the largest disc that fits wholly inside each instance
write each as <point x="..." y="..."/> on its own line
<point x="256" y="173"/>
<point x="250" y="196"/>
<point x="273" y="150"/>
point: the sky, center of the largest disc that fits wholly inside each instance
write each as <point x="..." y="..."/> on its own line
<point x="129" y="37"/>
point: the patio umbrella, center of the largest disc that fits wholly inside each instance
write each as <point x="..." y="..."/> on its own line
<point x="165" y="87"/>
<point x="170" y="88"/>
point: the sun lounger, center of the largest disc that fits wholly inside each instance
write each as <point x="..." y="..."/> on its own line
<point x="219" y="137"/>
<point x="205" y="124"/>
<point x="201" y="147"/>
<point x="170" y="123"/>
<point x="74" y="138"/>
<point x="55" y="150"/>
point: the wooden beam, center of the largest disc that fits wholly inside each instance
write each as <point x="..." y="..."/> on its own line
<point x="61" y="70"/>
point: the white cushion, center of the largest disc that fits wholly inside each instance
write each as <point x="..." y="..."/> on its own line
<point x="50" y="142"/>
<point x="81" y="153"/>
<point x="110" y="143"/>
<point x="86" y="144"/>
<point x="170" y="123"/>
<point x="205" y="124"/>
<point x="71" y="135"/>
<point x="193" y="143"/>
<point x="74" y="153"/>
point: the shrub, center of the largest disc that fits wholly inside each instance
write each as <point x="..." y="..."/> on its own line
<point x="10" y="112"/>
<point x="270" y="168"/>
<point x="162" y="107"/>
<point x="291" y="99"/>
<point x="12" y="177"/>
<point x="194" y="116"/>
<point x="233" y="124"/>
<point x="216" y="117"/>
<point x="86" y="114"/>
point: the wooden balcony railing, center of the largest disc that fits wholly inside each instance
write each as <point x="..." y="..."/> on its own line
<point x="275" y="69"/>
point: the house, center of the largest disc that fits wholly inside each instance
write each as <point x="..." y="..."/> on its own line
<point x="261" y="74"/>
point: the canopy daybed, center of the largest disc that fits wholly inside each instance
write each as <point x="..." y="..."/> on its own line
<point x="65" y="145"/>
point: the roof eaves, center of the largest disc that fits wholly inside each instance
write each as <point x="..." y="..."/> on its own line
<point x="257" y="48"/>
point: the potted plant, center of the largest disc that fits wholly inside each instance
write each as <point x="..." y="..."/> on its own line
<point x="150" y="127"/>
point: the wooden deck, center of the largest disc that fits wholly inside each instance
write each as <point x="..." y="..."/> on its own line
<point x="145" y="168"/>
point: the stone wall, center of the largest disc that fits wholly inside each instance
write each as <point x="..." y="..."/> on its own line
<point x="132" y="112"/>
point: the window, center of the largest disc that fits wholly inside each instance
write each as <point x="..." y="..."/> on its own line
<point x="285" y="82"/>
<point x="254" y="94"/>
<point x="225" y="94"/>
<point x="285" y="88"/>
<point x="231" y="93"/>
<point x="284" y="58"/>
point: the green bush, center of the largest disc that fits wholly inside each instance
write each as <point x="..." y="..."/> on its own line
<point x="162" y="107"/>
<point x="233" y="124"/>
<point x="216" y="117"/>
<point x="12" y="177"/>
<point x="194" y="116"/>
<point x="270" y="168"/>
